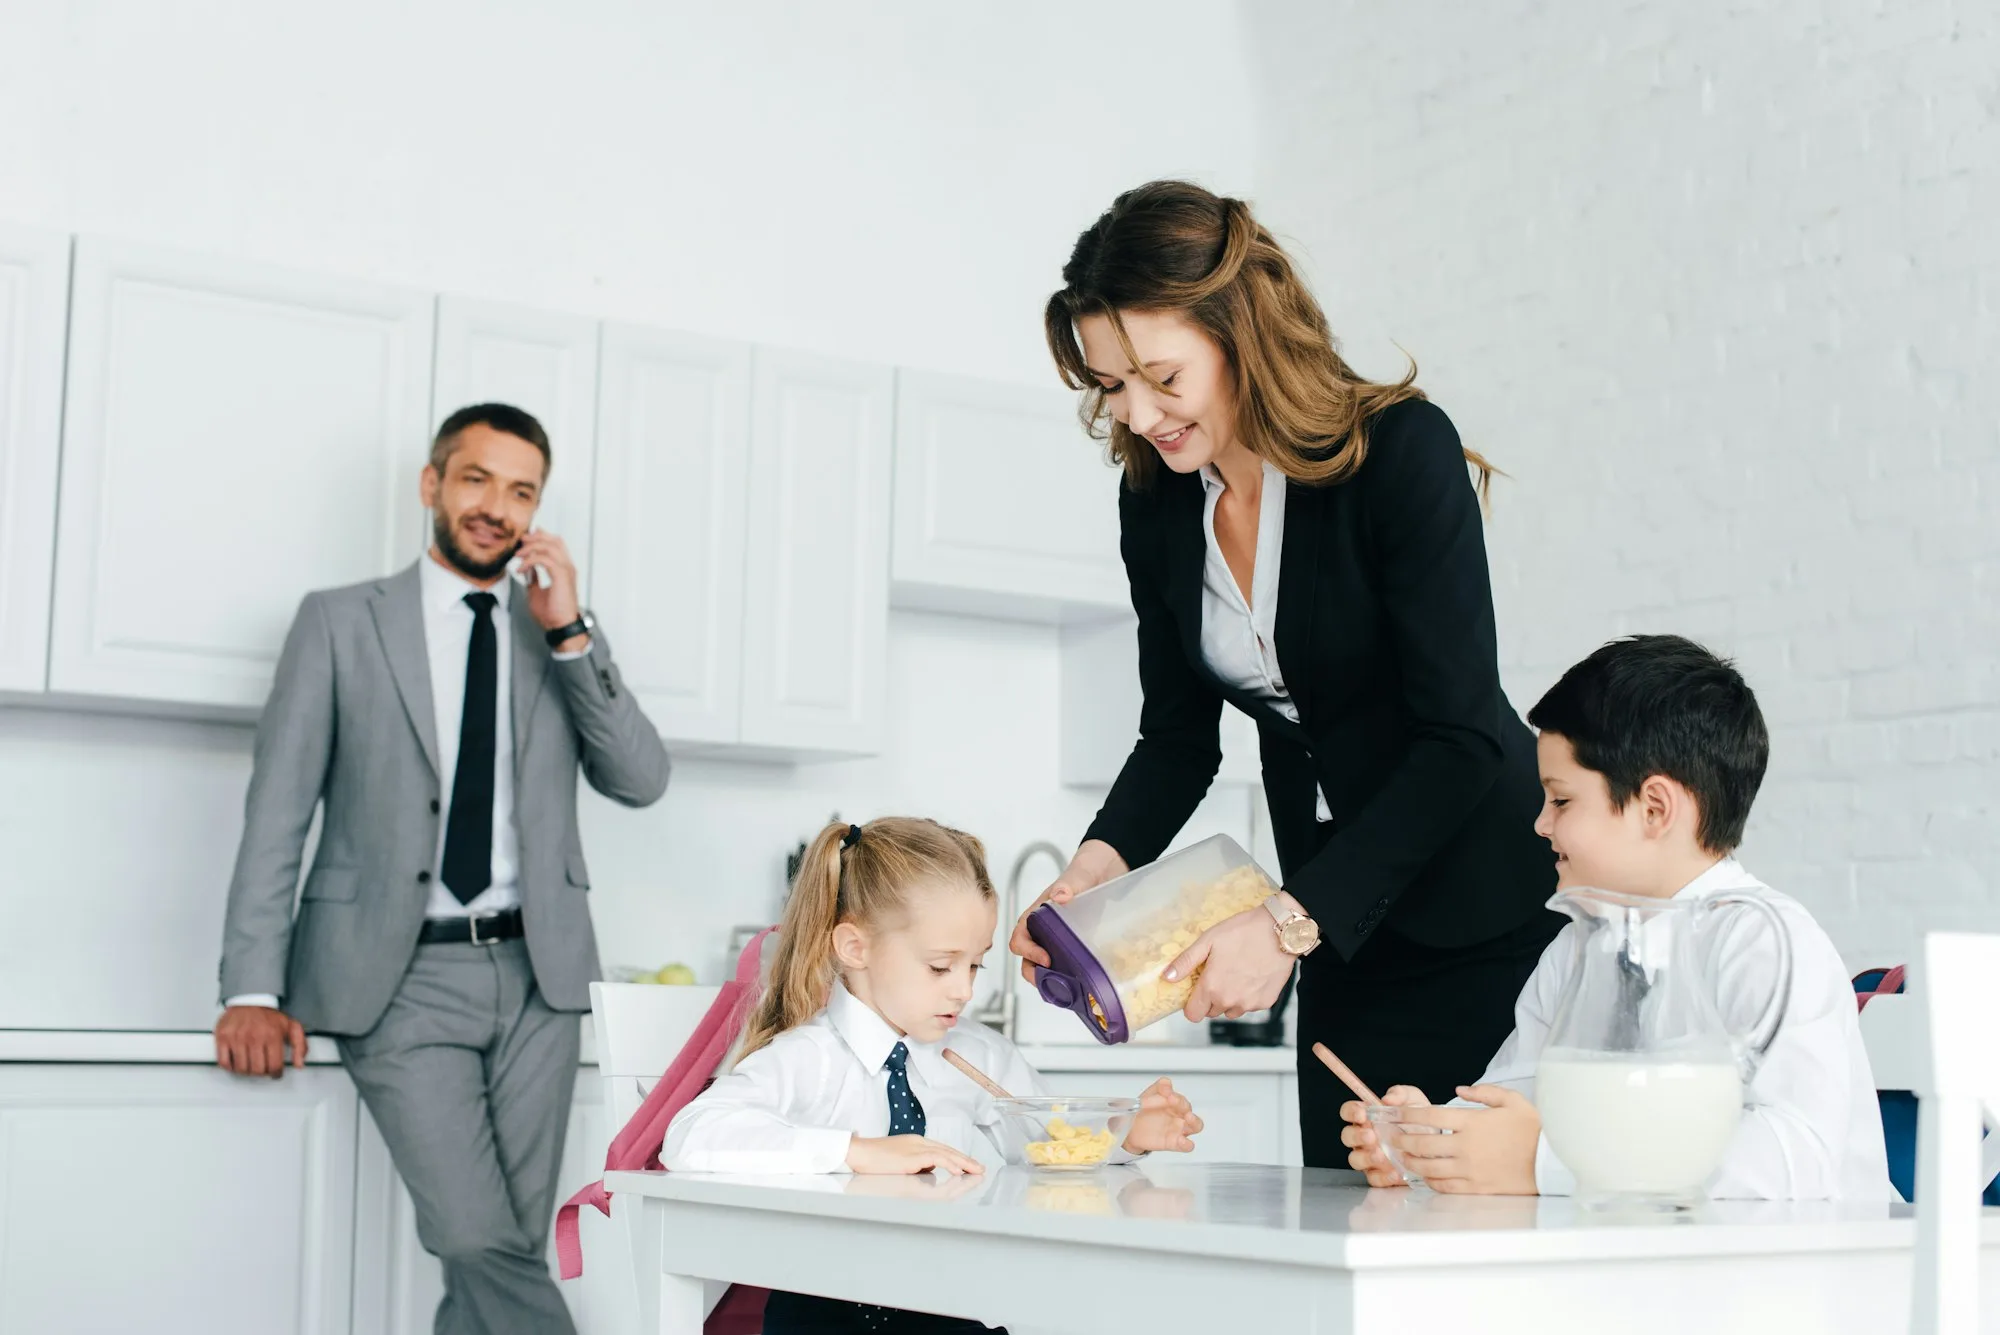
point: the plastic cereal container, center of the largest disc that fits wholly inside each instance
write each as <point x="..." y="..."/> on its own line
<point x="1107" y="946"/>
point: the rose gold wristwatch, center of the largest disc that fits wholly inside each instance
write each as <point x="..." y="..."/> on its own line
<point x="1298" y="935"/>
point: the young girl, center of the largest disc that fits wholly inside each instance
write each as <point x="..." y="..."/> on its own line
<point x="843" y="1067"/>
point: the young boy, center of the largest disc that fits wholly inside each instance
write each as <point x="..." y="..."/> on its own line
<point x="1651" y="752"/>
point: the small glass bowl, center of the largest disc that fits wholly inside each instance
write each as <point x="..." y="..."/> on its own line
<point x="1063" y="1134"/>
<point x="1387" y="1123"/>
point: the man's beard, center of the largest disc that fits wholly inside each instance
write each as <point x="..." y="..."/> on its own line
<point x="464" y="562"/>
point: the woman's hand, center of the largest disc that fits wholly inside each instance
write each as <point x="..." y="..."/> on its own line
<point x="907" y="1154"/>
<point x="1095" y="863"/>
<point x="1243" y="968"/>
<point x="1365" y="1154"/>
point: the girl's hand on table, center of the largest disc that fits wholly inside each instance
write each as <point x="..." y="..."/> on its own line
<point x="908" y="1154"/>
<point x="1095" y="863"/>
<point x="1365" y="1154"/>
<point x="1242" y="967"/>
<point x="1165" y="1121"/>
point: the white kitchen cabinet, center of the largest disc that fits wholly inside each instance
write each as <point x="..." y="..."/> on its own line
<point x="1291" y="1144"/>
<point x="34" y="294"/>
<point x="397" y="1284"/>
<point x="1005" y="507"/>
<point x="1242" y="1114"/>
<point x="234" y="436"/>
<point x="673" y="469"/>
<point x="175" y="1199"/>
<point x="545" y="364"/>
<point x="1100" y="701"/>
<point x="816" y="579"/>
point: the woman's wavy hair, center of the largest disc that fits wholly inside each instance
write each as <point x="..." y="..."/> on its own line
<point x="1174" y="246"/>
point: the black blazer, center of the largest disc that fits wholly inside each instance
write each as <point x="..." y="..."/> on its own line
<point x="1385" y="638"/>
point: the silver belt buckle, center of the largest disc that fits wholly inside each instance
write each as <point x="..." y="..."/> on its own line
<point x="474" y="920"/>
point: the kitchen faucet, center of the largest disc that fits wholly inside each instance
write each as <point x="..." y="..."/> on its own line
<point x="998" y="1013"/>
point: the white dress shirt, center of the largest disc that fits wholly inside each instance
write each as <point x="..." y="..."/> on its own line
<point x="794" y="1105"/>
<point x="1811" y="1128"/>
<point x="1239" y="639"/>
<point x="447" y="644"/>
<point x="448" y="640"/>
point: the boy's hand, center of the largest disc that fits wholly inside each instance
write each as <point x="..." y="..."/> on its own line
<point x="1365" y="1151"/>
<point x="1165" y="1120"/>
<point x="908" y="1154"/>
<point x="1490" y="1151"/>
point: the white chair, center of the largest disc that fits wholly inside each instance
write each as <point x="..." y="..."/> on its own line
<point x="640" y="1029"/>
<point x="1958" y="1096"/>
<point x="1892" y="1029"/>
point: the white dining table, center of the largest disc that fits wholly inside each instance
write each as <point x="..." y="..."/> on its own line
<point x="1226" y="1248"/>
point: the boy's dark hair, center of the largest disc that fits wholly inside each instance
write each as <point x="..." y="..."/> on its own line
<point x="1662" y="704"/>
<point x="501" y="417"/>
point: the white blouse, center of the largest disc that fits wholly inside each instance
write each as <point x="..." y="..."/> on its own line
<point x="1239" y="640"/>
<point x="795" y="1104"/>
<point x="1811" y="1128"/>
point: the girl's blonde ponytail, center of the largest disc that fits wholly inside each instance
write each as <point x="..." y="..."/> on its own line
<point x="802" y="971"/>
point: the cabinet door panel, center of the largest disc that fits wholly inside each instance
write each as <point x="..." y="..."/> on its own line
<point x="668" y="546"/>
<point x="234" y="437"/>
<point x="545" y="364"/>
<point x="175" y="1198"/>
<point x="1035" y="537"/>
<point x="817" y="584"/>
<point x="34" y="296"/>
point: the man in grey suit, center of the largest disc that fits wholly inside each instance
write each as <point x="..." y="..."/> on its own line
<point x="443" y="934"/>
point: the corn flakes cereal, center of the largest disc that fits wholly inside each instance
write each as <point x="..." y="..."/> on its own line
<point x="1141" y="954"/>
<point x="1070" y="1146"/>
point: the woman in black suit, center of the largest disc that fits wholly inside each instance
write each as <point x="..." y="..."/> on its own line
<point x="1307" y="546"/>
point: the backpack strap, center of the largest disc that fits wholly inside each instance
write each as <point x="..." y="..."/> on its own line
<point x="1889" y="984"/>
<point x="637" y="1147"/>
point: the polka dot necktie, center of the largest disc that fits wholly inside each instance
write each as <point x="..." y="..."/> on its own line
<point x="906" y="1115"/>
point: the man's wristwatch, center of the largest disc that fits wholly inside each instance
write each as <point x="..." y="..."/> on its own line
<point x="583" y="625"/>
<point x="1298" y="935"/>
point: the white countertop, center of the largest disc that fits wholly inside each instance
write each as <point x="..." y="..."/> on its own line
<point x="198" y="1049"/>
<point x="1302" y="1216"/>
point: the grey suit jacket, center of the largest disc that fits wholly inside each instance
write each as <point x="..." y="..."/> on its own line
<point x="350" y="724"/>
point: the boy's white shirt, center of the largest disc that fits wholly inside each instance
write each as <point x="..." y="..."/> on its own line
<point x="1811" y="1127"/>
<point x="793" y="1105"/>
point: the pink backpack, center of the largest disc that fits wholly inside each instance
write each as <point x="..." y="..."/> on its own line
<point x="637" y="1147"/>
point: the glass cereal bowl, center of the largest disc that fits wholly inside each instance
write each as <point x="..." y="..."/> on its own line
<point x="1063" y="1134"/>
<point x="1388" y="1124"/>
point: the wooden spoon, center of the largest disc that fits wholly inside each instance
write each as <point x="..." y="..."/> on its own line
<point x="1339" y="1068"/>
<point x="977" y="1076"/>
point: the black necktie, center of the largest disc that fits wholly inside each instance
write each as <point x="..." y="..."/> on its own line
<point x="468" y="832"/>
<point x="906" y="1115"/>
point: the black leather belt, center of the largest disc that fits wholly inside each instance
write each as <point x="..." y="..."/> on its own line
<point x="484" y="930"/>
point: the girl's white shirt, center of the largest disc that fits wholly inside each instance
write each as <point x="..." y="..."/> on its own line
<point x="794" y="1105"/>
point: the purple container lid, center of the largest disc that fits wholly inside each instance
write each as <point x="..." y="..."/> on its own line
<point x="1075" y="979"/>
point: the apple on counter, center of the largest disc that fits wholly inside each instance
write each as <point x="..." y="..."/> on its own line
<point x="679" y="975"/>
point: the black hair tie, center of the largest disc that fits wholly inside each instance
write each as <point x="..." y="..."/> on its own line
<point x="851" y="838"/>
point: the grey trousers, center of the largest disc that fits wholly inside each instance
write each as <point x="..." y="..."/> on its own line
<point x="469" y="1077"/>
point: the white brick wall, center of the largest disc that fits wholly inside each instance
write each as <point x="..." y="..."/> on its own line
<point x="1718" y="284"/>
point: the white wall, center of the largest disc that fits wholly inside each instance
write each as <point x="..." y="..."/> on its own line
<point x="893" y="181"/>
<point x="1719" y="286"/>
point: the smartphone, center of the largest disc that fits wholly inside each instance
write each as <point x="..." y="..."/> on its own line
<point x="520" y="573"/>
